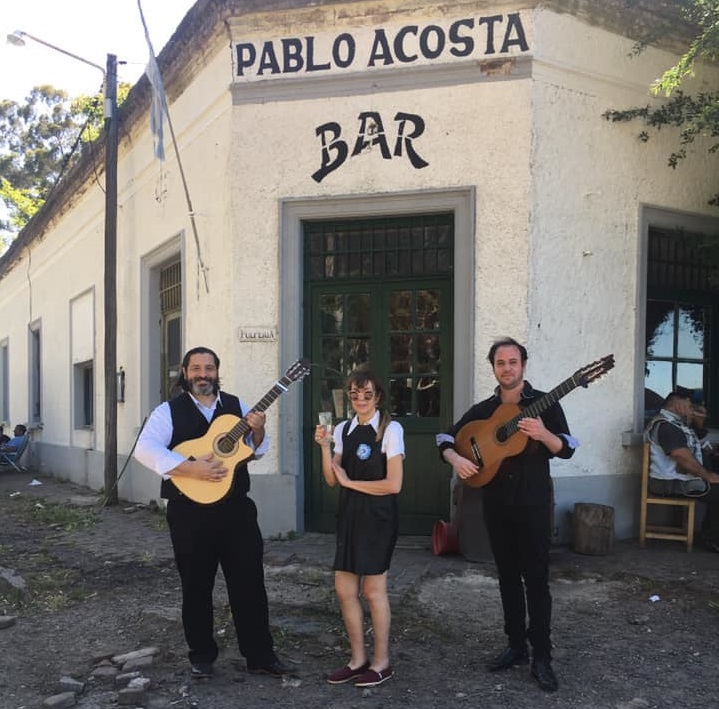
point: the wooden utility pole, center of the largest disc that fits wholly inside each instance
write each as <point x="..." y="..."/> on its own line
<point x="110" y="282"/>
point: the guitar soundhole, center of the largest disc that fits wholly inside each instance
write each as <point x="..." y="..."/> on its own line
<point x="225" y="445"/>
<point x="502" y="435"/>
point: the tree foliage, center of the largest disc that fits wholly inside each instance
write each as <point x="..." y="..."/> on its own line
<point x="40" y="139"/>
<point x="36" y="142"/>
<point x="695" y="115"/>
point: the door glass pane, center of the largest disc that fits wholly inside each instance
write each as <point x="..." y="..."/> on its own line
<point x="172" y="353"/>
<point x="357" y="352"/>
<point x="332" y="354"/>
<point x="690" y="342"/>
<point x="428" y="396"/>
<point x="428" y="389"/>
<point x="332" y="396"/>
<point x="400" y="310"/>
<point x="414" y="354"/>
<point x="400" y="396"/>
<point x="660" y="329"/>
<point x="427" y="353"/>
<point x="174" y="342"/>
<point x="344" y="344"/>
<point x="400" y="347"/>
<point x="331" y="314"/>
<point x="358" y="313"/>
<point x="427" y="309"/>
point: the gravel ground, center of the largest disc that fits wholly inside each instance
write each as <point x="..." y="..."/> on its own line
<point x="101" y="582"/>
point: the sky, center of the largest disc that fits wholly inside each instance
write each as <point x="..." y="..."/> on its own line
<point x="91" y="29"/>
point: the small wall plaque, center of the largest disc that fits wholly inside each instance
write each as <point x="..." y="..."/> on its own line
<point x="257" y="334"/>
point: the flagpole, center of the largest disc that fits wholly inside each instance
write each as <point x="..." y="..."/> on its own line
<point x="158" y="104"/>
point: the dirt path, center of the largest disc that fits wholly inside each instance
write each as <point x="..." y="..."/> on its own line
<point x="102" y="582"/>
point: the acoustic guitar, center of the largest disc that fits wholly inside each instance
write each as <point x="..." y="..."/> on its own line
<point x="225" y="440"/>
<point x="488" y="442"/>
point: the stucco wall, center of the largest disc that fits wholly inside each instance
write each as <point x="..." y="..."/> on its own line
<point x="591" y="179"/>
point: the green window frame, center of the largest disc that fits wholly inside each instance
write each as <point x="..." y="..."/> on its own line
<point x="681" y="312"/>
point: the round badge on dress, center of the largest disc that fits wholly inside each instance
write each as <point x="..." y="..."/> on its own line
<point x="363" y="451"/>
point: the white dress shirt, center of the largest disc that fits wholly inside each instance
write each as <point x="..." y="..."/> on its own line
<point x="152" y="445"/>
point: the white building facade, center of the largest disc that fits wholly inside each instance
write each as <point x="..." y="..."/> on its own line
<point x="396" y="182"/>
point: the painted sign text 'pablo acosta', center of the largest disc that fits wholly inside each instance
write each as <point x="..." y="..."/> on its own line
<point x="494" y="34"/>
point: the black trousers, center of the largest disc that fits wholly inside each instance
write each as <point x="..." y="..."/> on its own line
<point x="520" y="538"/>
<point x="224" y="534"/>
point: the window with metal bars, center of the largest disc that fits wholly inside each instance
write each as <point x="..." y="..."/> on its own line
<point x="171" y="312"/>
<point x="391" y="247"/>
<point x="171" y="288"/>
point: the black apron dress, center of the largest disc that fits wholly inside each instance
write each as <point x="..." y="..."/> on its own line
<point x="367" y="525"/>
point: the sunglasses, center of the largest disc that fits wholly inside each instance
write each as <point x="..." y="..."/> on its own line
<point x="366" y="395"/>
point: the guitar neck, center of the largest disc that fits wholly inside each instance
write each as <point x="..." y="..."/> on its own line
<point x="540" y="405"/>
<point x="242" y="428"/>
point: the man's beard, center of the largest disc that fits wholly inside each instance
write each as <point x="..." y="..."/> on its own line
<point x="204" y="387"/>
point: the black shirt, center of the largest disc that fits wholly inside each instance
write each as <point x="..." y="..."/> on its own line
<point x="671" y="437"/>
<point x="523" y="479"/>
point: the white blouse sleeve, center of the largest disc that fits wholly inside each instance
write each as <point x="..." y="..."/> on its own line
<point x="393" y="440"/>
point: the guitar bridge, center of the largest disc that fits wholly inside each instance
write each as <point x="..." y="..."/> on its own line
<point x="475" y="452"/>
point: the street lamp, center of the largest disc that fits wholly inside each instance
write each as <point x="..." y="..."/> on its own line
<point x="109" y="73"/>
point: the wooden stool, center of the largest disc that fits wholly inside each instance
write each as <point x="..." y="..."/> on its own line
<point x="685" y="533"/>
<point x="592" y="528"/>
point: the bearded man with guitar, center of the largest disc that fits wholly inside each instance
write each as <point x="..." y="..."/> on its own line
<point x="518" y="501"/>
<point x="222" y="532"/>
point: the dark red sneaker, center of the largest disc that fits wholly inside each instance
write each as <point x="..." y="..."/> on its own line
<point x="346" y="674"/>
<point x="373" y="679"/>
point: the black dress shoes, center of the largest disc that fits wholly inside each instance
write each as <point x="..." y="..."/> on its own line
<point x="544" y="674"/>
<point x="508" y="658"/>
<point x="201" y="670"/>
<point x="273" y="667"/>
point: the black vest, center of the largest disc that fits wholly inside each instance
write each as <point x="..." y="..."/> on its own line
<point x="189" y="423"/>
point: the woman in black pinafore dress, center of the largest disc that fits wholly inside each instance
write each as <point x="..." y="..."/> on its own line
<point x="367" y="464"/>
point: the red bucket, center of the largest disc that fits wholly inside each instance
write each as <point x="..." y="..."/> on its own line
<point x="444" y="538"/>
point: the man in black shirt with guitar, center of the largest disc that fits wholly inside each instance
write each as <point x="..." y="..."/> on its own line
<point x="504" y="444"/>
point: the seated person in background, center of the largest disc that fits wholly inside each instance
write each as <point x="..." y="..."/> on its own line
<point x="13" y="444"/>
<point x="676" y="465"/>
<point x="3" y="437"/>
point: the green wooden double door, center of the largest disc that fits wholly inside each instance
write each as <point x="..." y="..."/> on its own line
<point x="379" y="292"/>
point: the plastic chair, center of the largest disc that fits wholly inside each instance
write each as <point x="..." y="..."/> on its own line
<point x="13" y="458"/>
<point x="685" y="533"/>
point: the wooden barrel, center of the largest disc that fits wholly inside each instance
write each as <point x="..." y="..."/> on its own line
<point x="592" y="528"/>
